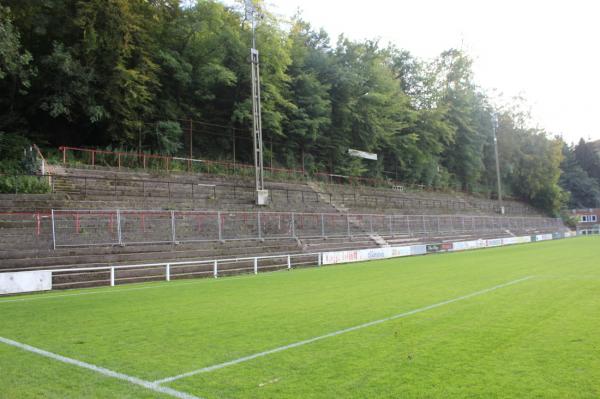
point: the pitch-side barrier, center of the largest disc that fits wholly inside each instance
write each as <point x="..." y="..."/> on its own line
<point x="43" y="280"/>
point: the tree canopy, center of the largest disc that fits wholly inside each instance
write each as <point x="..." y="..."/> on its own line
<point x="130" y="73"/>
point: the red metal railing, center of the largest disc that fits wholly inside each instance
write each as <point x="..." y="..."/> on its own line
<point x="143" y="160"/>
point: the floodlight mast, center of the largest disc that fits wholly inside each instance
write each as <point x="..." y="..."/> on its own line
<point x="494" y="127"/>
<point x="261" y="194"/>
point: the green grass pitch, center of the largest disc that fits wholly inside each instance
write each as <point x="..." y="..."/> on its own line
<point x="536" y="338"/>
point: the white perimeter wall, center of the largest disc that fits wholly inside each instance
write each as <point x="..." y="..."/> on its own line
<point x="14" y="283"/>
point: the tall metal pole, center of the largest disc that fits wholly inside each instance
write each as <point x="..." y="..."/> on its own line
<point x="494" y="127"/>
<point x="261" y="193"/>
<point x="257" y="126"/>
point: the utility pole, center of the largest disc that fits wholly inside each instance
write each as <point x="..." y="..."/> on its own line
<point x="494" y="127"/>
<point x="262" y="195"/>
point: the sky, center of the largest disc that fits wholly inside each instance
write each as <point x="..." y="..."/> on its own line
<point x="545" y="51"/>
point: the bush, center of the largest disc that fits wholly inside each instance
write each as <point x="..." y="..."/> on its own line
<point x="24" y="185"/>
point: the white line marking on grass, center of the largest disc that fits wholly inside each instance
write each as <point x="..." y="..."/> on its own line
<point x="336" y="333"/>
<point x="106" y="372"/>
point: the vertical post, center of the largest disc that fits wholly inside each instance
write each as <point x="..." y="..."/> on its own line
<point x="119" y="234"/>
<point x="191" y="151"/>
<point x="322" y="226"/>
<point x="173" y="226"/>
<point x="293" y="226"/>
<point x="494" y="127"/>
<point x="289" y="262"/>
<point x="255" y="265"/>
<point x="112" y="276"/>
<point x="348" y="224"/>
<point x="64" y="150"/>
<point x="216" y="268"/>
<point x="38" y="224"/>
<point x="53" y="230"/>
<point x="140" y="139"/>
<point x="219" y="226"/>
<point x="168" y="272"/>
<point x="259" y="226"/>
<point x="233" y="141"/>
<point x="320" y="259"/>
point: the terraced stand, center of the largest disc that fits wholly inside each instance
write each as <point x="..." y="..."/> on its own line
<point x="28" y="238"/>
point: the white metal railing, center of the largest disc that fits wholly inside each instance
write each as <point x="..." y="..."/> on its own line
<point x="168" y="267"/>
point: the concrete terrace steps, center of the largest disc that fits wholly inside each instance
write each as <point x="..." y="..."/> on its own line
<point x="143" y="254"/>
<point x="127" y="249"/>
<point x="469" y="201"/>
<point x="20" y="202"/>
<point x="179" y="191"/>
<point x="352" y="197"/>
<point x="344" y="198"/>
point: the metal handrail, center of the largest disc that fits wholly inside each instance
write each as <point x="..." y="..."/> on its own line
<point x="117" y="179"/>
<point x="183" y="263"/>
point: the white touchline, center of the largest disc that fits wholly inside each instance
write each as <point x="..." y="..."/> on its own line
<point x="101" y="370"/>
<point x="335" y="333"/>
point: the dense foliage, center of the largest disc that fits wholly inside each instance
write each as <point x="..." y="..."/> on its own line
<point x="130" y="73"/>
<point x="581" y="174"/>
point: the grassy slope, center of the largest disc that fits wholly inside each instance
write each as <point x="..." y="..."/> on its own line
<point x="535" y="339"/>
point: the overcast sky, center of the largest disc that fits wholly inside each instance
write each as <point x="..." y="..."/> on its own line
<point x="546" y="51"/>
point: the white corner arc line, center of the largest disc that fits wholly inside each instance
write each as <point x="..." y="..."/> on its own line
<point x="100" y="370"/>
<point x="336" y="333"/>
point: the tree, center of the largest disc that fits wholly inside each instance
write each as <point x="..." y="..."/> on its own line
<point x="584" y="191"/>
<point x="588" y="159"/>
<point x="309" y="119"/>
<point x="129" y="73"/>
<point x="16" y="69"/>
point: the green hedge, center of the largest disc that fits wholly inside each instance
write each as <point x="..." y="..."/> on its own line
<point x="24" y="185"/>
